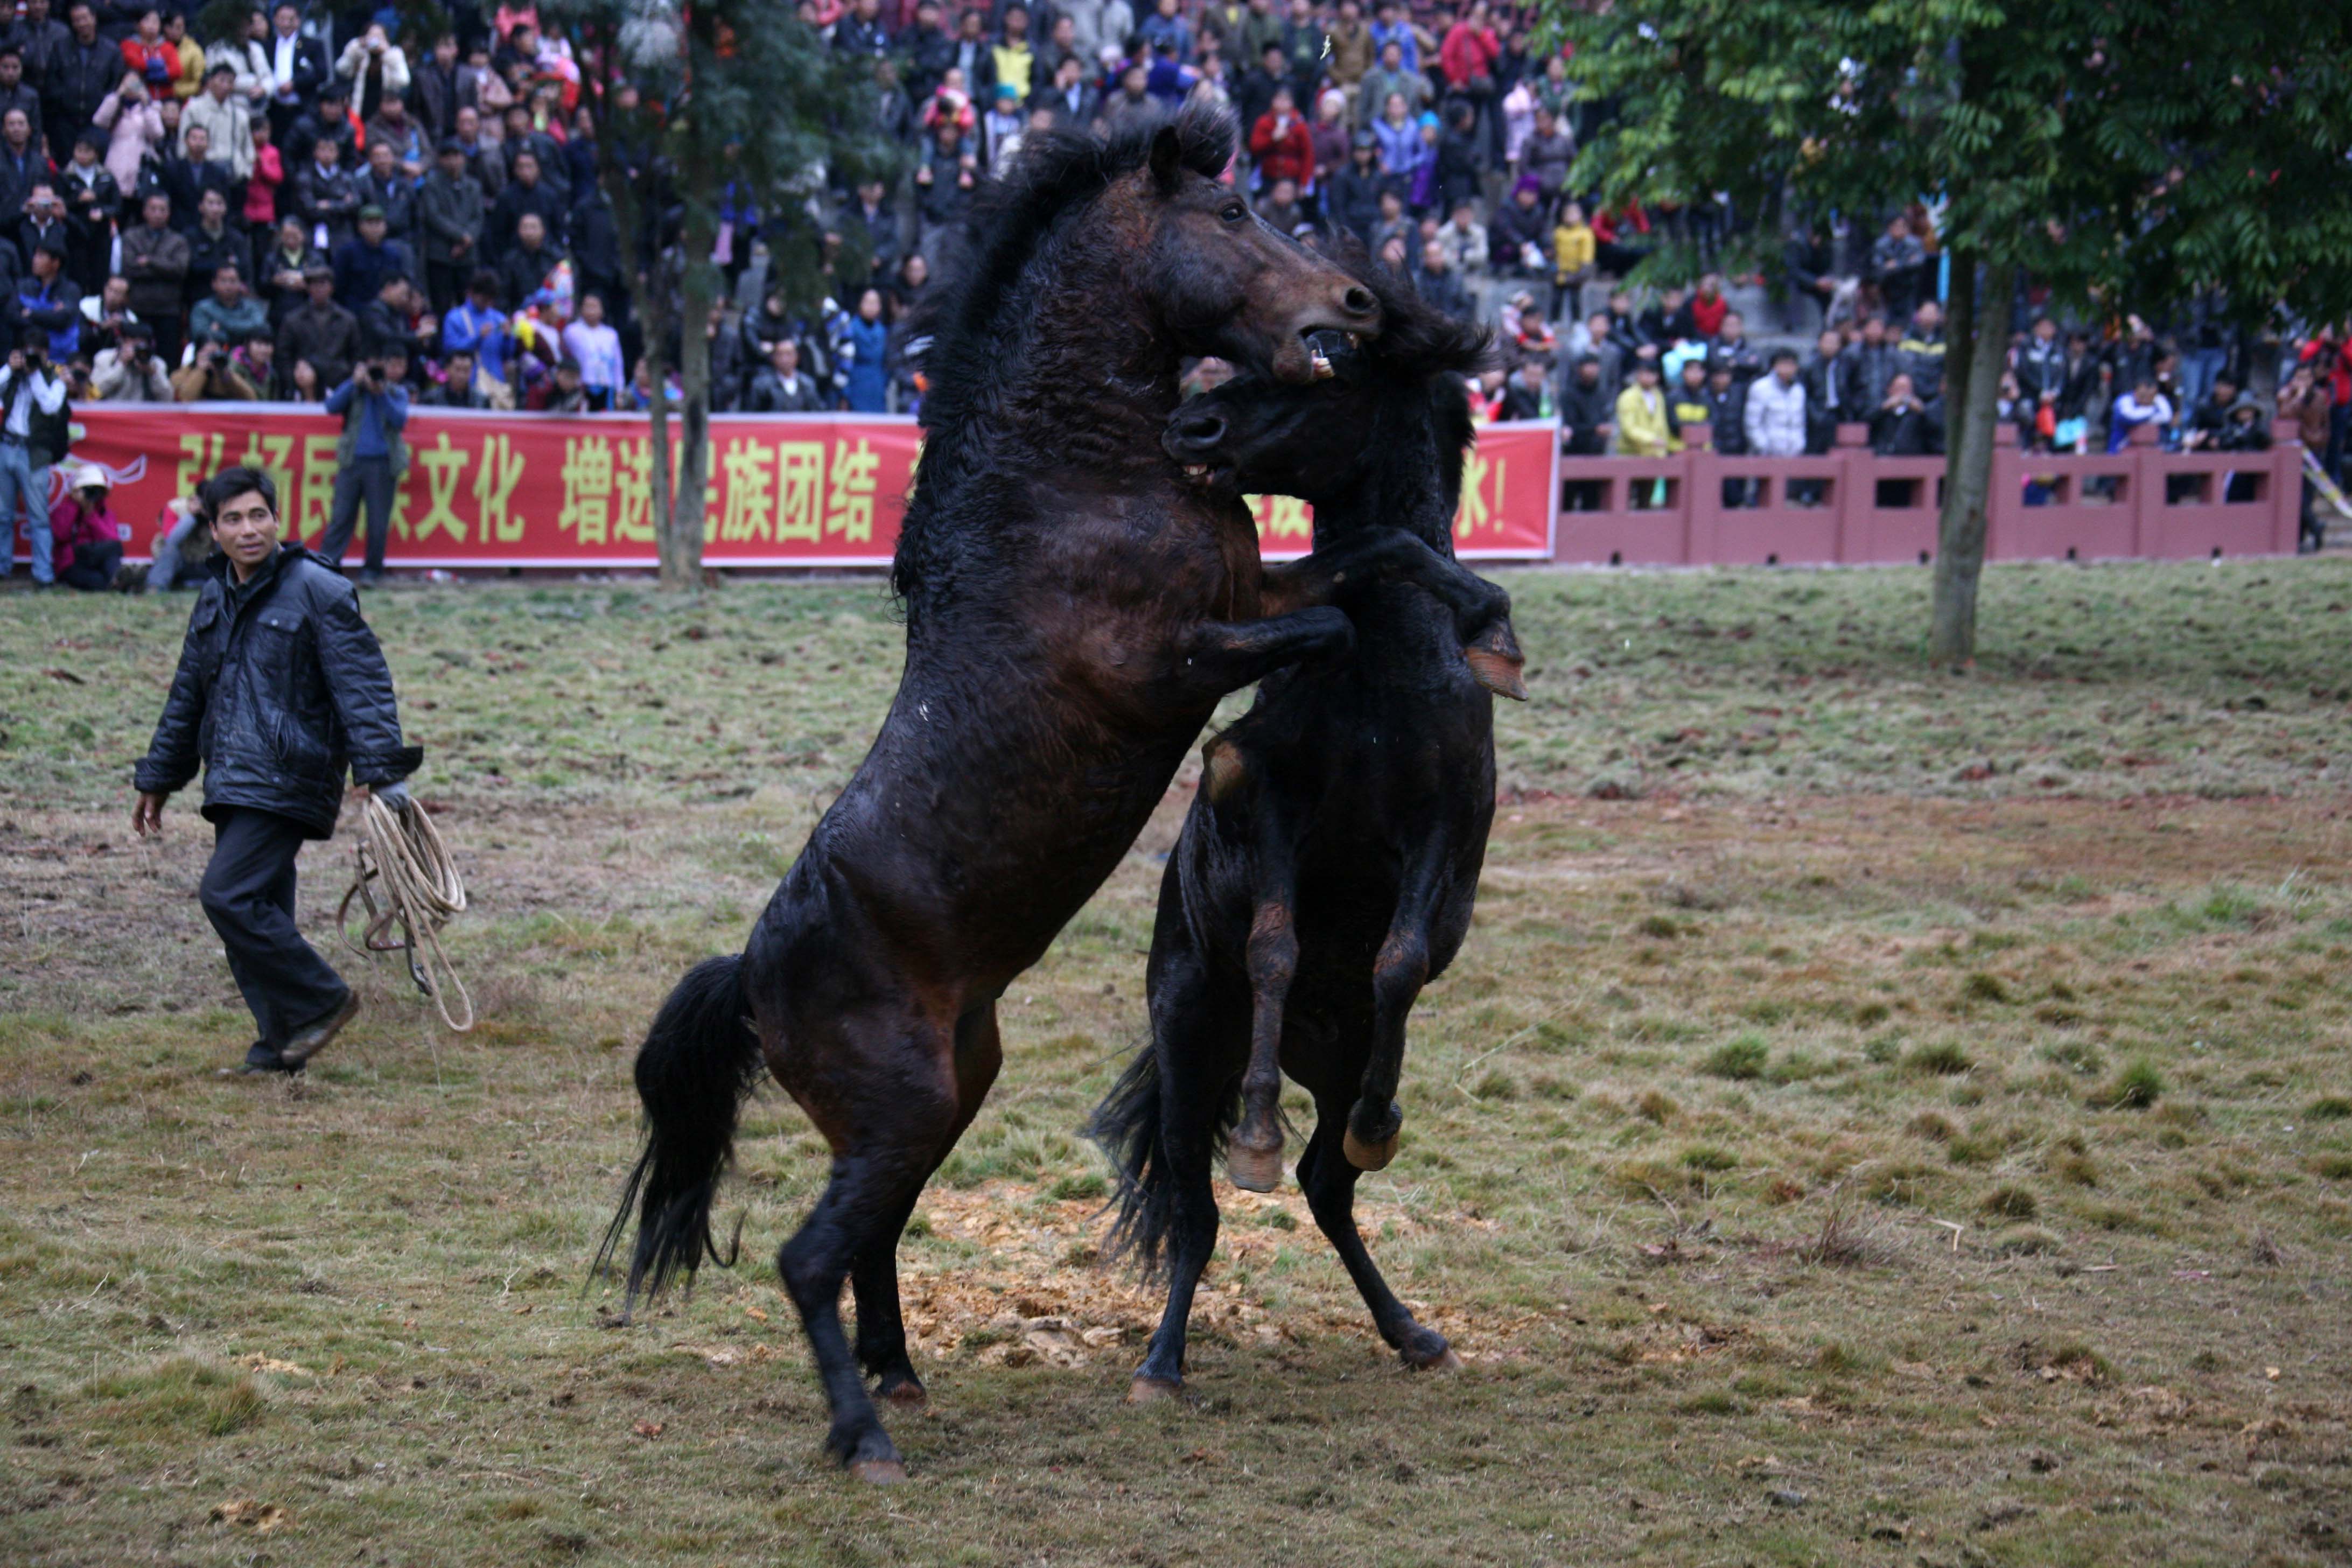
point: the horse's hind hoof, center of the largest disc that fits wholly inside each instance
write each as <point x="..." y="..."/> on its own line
<point x="877" y="1472"/>
<point x="909" y="1396"/>
<point x="1369" y="1156"/>
<point x="1498" y="672"/>
<point x="1154" y="1390"/>
<point x="1254" y="1170"/>
<point x="1426" y="1349"/>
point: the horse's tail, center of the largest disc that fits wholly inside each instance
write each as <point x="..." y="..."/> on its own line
<point x="1126" y="1127"/>
<point x="699" y="1059"/>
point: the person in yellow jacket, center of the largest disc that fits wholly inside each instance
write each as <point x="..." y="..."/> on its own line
<point x="1642" y="430"/>
<point x="1573" y="249"/>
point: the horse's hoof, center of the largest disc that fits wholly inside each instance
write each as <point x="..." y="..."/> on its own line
<point x="1443" y="1361"/>
<point x="1154" y="1390"/>
<point x="877" y="1472"/>
<point x="909" y="1396"/>
<point x="1498" y="672"/>
<point x="1254" y="1170"/>
<point x="1369" y="1156"/>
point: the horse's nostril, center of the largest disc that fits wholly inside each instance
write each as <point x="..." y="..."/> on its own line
<point x="1203" y="430"/>
<point x="1358" y="301"/>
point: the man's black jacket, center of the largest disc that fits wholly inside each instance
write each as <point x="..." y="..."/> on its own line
<point x="281" y="685"/>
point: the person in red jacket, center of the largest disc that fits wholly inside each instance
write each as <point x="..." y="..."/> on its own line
<point x="1467" y="56"/>
<point x="1708" y="307"/>
<point x="89" y="535"/>
<point x="1281" y="145"/>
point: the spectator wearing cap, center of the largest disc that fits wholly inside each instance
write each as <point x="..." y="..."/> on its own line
<point x="450" y="210"/>
<point x="92" y="198"/>
<point x="228" y="313"/>
<point x="33" y="424"/>
<point x="156" y="258"/>
<point x="297" y="68"/>
<point x="129" y="372"/>
<point x="363" y="262"/>
<point x="213" y="245"/>
<point x="319" y="331"/>
<point x="324" y="196"/>
<point x="373" y="406"/>
<point x="15" y="92"/>
<point x="383" y="185"/>
<point x="89" y="536"/>
<point x="49" y="303"/>
<point x="222" y="116"/>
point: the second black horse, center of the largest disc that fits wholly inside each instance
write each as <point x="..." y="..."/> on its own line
<point x="1326" y="869"/>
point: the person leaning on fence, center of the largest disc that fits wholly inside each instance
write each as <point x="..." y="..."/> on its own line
<point x="34" y="424"/>
<point x="280" y="687"/>
<point x="370" y="457"/>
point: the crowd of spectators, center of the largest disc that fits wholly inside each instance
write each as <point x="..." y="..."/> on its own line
<point x="328" y="206"/>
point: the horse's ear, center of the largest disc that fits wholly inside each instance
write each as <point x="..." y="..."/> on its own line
<point x="1167" y="158"/>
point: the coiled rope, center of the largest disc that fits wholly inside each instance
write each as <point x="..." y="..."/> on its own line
<point x="399" y="854"/>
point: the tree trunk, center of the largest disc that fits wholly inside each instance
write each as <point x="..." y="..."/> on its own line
<point x="697" y="291"/>
<point x="1973" y="356"/>
<point x="658" y="448"/>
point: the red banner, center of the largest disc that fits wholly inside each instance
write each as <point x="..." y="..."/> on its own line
<point x="556" y="491"/>
<point x="1510" y="499"/>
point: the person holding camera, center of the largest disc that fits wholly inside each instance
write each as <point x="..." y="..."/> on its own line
<point x="281" y="687"/>
<point x="33" y="435"/>
<point x="130" y="373"/>
<point x="89" y="535"/>
<point x="373" y="405"/>
<point x="213" y="376"/>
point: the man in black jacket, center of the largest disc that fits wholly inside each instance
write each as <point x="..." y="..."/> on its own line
<point x="280" y="687"/>
<point x="1832" y="392"/>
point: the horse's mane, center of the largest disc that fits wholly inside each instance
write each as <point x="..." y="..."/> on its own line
<point x="1053" y="174"/>
<point x="1420" y="340"/>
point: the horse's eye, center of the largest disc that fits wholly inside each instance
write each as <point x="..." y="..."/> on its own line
<point x="1235" y="213"/>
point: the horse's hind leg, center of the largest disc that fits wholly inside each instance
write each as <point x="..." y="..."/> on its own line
<point x="887" y="1117"/>
<point x="1253" y="1154"/>
<point x="1192" y="1078"/>
<point x="873" y="1277"/>
<point x="1330" y="1182"/>
<point x="1398" y="971"/>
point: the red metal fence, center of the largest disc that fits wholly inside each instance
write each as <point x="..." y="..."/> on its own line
<point x="1852" y="505"/>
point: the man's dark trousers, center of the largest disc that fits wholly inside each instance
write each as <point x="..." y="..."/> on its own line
<point x="248" y="895"/>
<point x="359" y="479"/>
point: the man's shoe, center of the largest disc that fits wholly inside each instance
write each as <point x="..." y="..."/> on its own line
<point x="260" y="1058"/>
<point x="370" y="579"/>
<point x="312" y="1039"/>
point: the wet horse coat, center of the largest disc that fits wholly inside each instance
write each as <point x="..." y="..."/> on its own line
<point x="1327" y="868"/>
<point x="1074" y="610"/>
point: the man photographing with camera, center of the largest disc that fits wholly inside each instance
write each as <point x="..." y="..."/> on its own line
<point x="280" y="686"/>
<point x="370" y="457"/>
<point x="32" y="436"/>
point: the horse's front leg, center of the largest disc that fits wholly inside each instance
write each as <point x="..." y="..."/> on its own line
<point x="1214" y="657"/>
<point x="1481" y="611"/>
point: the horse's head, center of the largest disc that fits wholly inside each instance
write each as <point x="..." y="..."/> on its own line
<point x="1380" y="402"/>
<point x="1225" y="283"/>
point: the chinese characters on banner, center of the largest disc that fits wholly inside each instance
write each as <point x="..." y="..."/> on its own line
<point x="1511" y="495"/>
<point x="486" y="489"/>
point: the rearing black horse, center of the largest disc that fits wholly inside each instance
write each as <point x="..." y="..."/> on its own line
<point x="1074" y="610"/>
<point x="1326" y="869"/>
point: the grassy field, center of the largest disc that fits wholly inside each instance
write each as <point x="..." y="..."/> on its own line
<point x="1881" y="1116"/>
